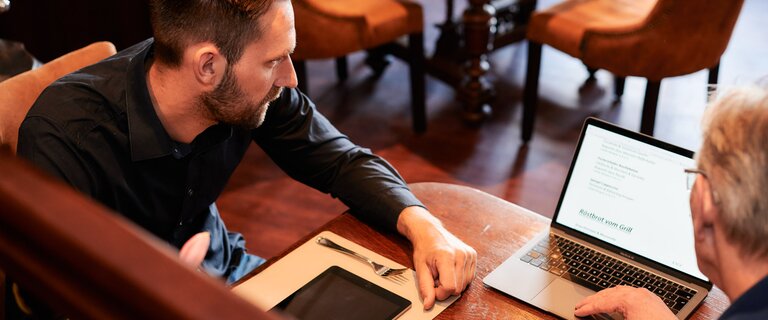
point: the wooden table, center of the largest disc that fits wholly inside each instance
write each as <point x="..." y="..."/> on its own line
<point x="494" y="227"/>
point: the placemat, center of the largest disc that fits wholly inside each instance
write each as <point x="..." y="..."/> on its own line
<point x="303" y="264"/>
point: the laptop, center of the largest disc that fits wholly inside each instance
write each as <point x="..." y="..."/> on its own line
<point x="623" y="218"/>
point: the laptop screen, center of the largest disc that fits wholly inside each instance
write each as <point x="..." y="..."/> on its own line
<point x="630" y="191"/>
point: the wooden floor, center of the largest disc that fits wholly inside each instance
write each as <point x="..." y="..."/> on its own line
<point x="273" y="211"/>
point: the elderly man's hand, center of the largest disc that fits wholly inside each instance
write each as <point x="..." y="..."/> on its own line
<point x="444" y="265"/>
<point x="632" y="303"/>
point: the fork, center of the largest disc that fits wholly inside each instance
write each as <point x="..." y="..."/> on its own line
<point x="379" y="269"/>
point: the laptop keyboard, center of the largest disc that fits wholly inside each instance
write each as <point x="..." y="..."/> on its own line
<point x="597" y="271"/>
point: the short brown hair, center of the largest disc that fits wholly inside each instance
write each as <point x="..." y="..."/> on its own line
<point x="734" y="154"/>
<point x="229" y="24"/>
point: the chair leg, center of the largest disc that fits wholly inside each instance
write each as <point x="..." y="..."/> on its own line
<point x="714" y="72"/>
<point x="341" y="68"/>
<point x="618" y="87"/>
<point x="416" y="61"/>
<point x="649" y="107"/>
<point x="378" y="59"/>
<point x="531" y="91"/>
<point x="301" y="75"/>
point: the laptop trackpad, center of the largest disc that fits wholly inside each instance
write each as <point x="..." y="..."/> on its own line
<point x="560" y="297"/>
<point x="519" y="279"/>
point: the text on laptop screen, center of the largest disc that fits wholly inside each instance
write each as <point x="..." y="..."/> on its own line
<point x="634" y="196"/>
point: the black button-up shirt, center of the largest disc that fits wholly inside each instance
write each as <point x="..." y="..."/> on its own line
<point x="97" y="130"/>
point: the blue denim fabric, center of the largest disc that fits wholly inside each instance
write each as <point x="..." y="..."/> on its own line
<point x="247" y="263"/>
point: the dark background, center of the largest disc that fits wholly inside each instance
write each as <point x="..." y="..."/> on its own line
<point x="51" y="28"/>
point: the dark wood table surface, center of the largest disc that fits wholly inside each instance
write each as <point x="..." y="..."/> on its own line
<point x="494" y="227"/>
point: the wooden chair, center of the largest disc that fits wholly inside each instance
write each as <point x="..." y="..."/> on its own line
<point x="334" y="29"/>
<point x="653" y="39"/>
<point x="90" y="263"/>
<point x="18" y="93"/>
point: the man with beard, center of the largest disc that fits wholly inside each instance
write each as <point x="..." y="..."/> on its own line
<point x="155" y="132"/>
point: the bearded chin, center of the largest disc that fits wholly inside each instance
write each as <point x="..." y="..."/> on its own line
<point x="229" y="105"/>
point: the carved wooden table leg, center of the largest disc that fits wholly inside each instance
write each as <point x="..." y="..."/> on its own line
<point x="475" y="92"/>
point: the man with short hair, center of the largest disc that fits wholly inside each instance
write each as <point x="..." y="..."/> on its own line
<point x="729" y="210"/>
<point x="155" y="132"/>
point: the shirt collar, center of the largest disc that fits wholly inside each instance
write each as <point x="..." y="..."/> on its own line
<point x="147" y="136"/>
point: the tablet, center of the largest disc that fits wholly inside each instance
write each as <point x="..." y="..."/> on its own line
<point x="338" y="294"/>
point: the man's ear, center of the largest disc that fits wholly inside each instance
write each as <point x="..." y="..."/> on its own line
<point x="707" y="230"/>
<point x="208" y="65"/>
<point x="708" y="213"/>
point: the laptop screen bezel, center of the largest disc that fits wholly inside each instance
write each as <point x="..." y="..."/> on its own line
<point x="591" y="121"/>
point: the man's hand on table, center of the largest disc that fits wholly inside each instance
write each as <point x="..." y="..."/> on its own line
<point x="632" y="303"/>
<point x="444" y="265"/>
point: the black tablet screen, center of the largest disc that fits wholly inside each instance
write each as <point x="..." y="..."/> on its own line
<point x="339" y="294"/>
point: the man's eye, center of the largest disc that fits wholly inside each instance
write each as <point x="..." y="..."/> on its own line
<point x="275" y="62"/>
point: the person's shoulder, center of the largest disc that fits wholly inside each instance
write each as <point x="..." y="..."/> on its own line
<point x="91" y="95"/>
<point x="105" y="80"/>
<point x="78" y="103"/>
<point x="67" y="102"/>
<point x="754" y="315"/>
<point x="111" y="68"/>
<point x="751" y="304"/>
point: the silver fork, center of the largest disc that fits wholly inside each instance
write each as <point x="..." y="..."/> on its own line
<point x="394" y="274"/>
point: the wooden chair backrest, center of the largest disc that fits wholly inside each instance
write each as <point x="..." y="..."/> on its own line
<point x="90" y="263"/>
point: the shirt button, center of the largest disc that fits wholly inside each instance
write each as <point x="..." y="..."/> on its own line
<point x="190" y="192"/>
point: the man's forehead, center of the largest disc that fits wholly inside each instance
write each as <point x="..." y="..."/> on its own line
<point x="278" y="33"/>
<point x="279" y="12"/>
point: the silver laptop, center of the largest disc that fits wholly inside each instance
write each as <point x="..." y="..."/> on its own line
<point x="623" y="218"/>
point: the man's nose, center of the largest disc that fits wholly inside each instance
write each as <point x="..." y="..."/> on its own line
<point x="287" y="77"/>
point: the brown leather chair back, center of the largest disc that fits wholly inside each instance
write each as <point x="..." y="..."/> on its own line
<point x="678" y="37"/>
<point x="653" y="39"/>
<point x="333" y="29"/>
<point x="330" y="29"/>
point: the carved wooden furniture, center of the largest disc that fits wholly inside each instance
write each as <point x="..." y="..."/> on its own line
<point x="461" y="51"/>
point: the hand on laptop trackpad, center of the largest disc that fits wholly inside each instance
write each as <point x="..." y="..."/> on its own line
<point x="561" y="296"/>
<point x="604" y="316"/>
